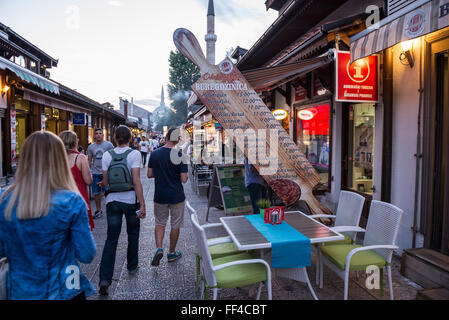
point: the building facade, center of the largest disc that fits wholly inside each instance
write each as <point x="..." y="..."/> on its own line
<point x="392" y="147"/>
<point x="31" y="101"/>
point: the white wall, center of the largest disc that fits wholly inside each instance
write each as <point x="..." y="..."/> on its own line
<point x="405" y="128"/>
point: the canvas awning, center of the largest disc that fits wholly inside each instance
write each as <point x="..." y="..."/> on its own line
<point x="266" y="79"/>
<point x="272" y="77"/>
<point x="29" y="76"/>
<point x="416" y="20"/>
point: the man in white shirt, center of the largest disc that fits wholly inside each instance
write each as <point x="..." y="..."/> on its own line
<point x="144" y="146"/>
<point x="130" y="203"/>
<point x="154" y="144"/>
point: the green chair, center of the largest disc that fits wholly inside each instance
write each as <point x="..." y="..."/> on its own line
<point x="230" y="271"/>
<point x="349" y="211"/>
<point x="377" y="250"/>
<point x="218" y="248"/>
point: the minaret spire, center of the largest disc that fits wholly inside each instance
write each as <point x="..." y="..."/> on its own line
<point x="162" y="97"/>
<point x="211" y="38"/>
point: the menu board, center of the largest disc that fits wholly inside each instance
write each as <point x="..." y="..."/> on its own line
<point x="237" y="107"/>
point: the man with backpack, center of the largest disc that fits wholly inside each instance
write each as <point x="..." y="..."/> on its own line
<point x="121" y="173"/>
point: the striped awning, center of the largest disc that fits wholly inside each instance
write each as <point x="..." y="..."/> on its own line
<point x="29" y="76"/>
<point x="418" y="19"/>
<point x="272" y="77"/>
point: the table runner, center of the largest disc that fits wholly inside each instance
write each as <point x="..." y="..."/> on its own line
<point x="289" y="247"/>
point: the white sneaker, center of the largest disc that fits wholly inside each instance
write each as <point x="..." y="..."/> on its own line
<point x="98" y="214"/>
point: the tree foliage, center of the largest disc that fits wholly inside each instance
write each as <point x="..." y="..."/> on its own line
<point x="182" y="74"/>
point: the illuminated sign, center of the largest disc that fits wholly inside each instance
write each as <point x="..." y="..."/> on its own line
<point x="306" y="115"/>
<point x="280" y="114"/>
<point x="357" y="81"/>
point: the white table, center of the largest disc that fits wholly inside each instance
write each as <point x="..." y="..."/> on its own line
<point x="246" y="237"/>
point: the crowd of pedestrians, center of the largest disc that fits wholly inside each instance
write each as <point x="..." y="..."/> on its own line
<point x="46" y="231"/>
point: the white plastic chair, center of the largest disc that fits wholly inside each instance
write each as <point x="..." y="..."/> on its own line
<point x="380" y="237"/>
<point x="209" y="269"/>
<point x="349" y="211"/>
<point x="221" y="246"/>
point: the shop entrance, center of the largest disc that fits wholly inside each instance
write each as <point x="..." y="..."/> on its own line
<point x="435" y="175"/>
<point x="439" y="239"/>
<point x="358" y="150"/>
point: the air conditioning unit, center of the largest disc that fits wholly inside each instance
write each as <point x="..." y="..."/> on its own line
<point x="397" y="5"/>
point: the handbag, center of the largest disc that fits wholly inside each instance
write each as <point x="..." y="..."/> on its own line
<point x="3" y="279"/>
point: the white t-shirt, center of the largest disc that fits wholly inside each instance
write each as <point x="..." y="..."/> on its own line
<point x="134" y="160"/>
<point x="144" y="146"/>
<point x="154" y="144"/>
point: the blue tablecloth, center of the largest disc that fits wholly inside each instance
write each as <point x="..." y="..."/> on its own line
<point x="289" y="247"/>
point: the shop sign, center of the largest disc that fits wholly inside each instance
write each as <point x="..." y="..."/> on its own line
<point x="13" y="134"/>
<point x="415" y="23"/>
<point x="306" y="115"/>
<point x="280" y="114"/>
<point x="237" y="106"/>
<point x="300" y="92"/>
<point x="356" y="82"/>
<point x="79" y="119"/>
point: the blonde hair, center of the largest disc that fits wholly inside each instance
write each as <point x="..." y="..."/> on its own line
<point x="43" y="168"/>
<point x="69" y="138"/>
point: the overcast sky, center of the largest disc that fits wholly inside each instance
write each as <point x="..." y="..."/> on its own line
<point x="112" y="48"/>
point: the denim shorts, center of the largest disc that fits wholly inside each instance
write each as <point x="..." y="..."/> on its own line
<point x="96" y="189"/>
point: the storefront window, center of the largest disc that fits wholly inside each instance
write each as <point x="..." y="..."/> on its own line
<point x="312" y="133"/>
<point x="361" y="151"/>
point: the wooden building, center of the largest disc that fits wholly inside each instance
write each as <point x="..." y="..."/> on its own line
<point x="31" y="101"/>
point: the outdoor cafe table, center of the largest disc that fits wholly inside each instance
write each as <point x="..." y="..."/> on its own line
<point x="247" y="237"/>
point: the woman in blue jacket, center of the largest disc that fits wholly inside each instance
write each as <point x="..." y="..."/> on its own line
<point x="44" y="228"/>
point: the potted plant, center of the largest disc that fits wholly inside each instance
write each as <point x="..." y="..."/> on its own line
<point x="263" y="204"/>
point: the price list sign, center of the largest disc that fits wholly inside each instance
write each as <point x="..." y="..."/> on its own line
<point x="242" y="113"/>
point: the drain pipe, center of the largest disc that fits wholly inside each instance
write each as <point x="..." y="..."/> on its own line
<point x="418" y="154"/>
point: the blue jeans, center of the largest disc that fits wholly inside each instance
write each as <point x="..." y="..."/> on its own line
<point x="115" y="210"/>
<point x="255" y="193"/>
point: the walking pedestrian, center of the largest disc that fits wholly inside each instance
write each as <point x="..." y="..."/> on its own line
<point x="121" y="172"/>
<point x="95" y="153"/>
<point x="144" y="146"/>
<point x="44" y="228"/>
<point x="169" y="198"/>
<point x="79" y="166"/>
<point x="154" y="144"/>
<point x="255" y="185"/>
<point x="135" y="144"/>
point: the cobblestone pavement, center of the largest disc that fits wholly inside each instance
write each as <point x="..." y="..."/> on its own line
<point x="176" y="280"/>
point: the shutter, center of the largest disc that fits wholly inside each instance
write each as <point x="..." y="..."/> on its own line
<point x="396" y="5"/>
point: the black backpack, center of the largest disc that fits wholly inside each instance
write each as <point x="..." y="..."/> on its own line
<point x="119" y="177"/>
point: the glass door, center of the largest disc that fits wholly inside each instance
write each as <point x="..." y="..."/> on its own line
<point x="359" y="158"/>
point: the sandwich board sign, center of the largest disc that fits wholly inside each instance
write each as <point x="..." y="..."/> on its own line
<point x="228" y="189"/>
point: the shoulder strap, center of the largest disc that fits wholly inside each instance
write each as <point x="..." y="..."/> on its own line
<point x="112" y="153"/>
<point x="127" y="152"/>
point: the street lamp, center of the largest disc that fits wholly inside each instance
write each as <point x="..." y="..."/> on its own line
<point x="5" y="90"/>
